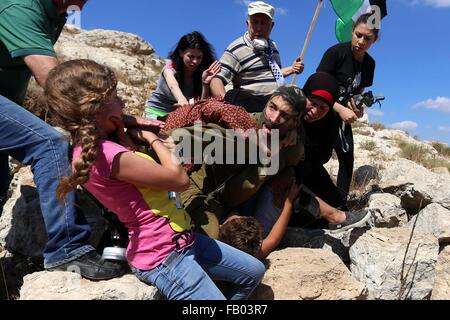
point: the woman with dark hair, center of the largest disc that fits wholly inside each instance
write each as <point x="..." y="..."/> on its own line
<point x="354" y="69"/>
<point x="186" y="77"/>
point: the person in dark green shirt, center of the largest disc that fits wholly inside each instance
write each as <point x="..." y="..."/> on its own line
<point x="28" y="31"/>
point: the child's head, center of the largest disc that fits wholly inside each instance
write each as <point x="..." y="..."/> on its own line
<point x="82" y="98"/>
<point x="243" y="233"/>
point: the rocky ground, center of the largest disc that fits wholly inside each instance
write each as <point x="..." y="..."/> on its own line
<point x="402" y="253"/>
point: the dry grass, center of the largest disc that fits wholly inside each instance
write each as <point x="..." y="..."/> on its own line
<point x="377" y="126"/>
<point x="413" y="152"/>
<point x="418" y="154"/>
<point x="358" y="124"/>
<point x="441" y="148"/>
<point x="368" y="145"/>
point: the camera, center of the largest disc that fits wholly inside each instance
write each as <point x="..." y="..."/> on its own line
<point x="367" y="99"/>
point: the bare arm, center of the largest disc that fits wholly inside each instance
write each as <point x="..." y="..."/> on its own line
<point x="279" y="228"/>
<point x="207" y="77"/>
<point x="40" y="66"/>
<point x="169" y="175"/>
<point x="174" y="87"/>
<point x="346" y="114"/>
<point x="297" y="67"/>
<point x="217" y="88"/>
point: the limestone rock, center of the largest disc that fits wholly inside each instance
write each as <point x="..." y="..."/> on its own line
<point x="387" y="211"/>
<point x="22" y="228"/>
<point x="70" y="286"/>
<point x="433" y="219"/>
<point x="131" y="58"/>
<point x="307" y="274"/>
<point x="378" y="261"/>
<point x="441" y="289"/>
<point x="338" y="243"/>
<point x="415" y="186"/>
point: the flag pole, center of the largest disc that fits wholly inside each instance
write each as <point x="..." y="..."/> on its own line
<point x="311" y="27"/>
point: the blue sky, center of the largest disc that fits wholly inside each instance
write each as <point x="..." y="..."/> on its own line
<point x="412" y="54"/>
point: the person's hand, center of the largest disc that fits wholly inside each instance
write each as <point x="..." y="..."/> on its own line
<point x="298" y="66"/>
<point x="211" y="72"/>
<point x="146" y="124"/>
<point x="295" y="189"/>
<point x="120" y="134"/>
<point x="359" y="112"/>
<point x="180" y="103"/>
<point x="290" y="139"/>
<point x="142" y="135"/>
<point x="149" y="137"/>
<point x="347" y="115"/>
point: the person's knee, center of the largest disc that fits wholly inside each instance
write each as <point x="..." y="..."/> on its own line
<point x="259" y="270"/>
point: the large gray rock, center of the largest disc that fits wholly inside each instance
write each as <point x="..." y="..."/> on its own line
<point x="307" y="274"/>
<point x="433" y="219"/>
<point x="416" y="186"/>
<point x="132" y="59"/>
<point x="339" y="243"/>
<point x="70" y="286"/>
<point x="378" y="261"/>
<point x="441" y="289"/>
<point x="22" y="228"/>
<point x="387" y="211"/>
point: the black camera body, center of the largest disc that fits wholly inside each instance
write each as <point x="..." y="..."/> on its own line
<point x="365" y="99"/>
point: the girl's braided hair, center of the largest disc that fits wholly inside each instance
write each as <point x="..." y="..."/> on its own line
<point x="77" y="91"/>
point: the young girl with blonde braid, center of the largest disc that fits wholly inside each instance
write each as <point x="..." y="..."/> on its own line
<point x="163" y="250"/>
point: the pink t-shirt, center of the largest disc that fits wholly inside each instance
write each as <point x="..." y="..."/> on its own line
<point x="155" y="226"/>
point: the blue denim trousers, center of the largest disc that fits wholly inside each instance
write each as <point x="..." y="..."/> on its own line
<point x="31" y="141"/>
<point x="189" y="275"/>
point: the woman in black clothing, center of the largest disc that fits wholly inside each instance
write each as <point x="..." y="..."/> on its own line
<point x="354" y="69"/>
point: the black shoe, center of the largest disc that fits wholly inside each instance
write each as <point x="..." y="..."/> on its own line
<point x="93" y="267"/>
<point x="353" y="220"/>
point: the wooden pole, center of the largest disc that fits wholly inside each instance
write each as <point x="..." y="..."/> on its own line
<point x="308" y="37"/>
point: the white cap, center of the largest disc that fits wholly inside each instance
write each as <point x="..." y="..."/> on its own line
<point x="261" y="7"/>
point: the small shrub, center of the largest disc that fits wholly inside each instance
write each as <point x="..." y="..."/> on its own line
<point x="436" y="163"/>
<point x="418" y="154"/>
<point x="441" y="148"/>
<point x="378" y="126"/>
<point x="368" y="145"/>
<point x="358" y="124"/>
<point x="413" y="152"/>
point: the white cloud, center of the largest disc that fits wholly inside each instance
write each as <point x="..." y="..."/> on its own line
<point x="438" y="3"/>
<point x="375" y="112"/>
<point x="281" y="11"/>
<point x="444" y="129"/>
<point x="244" y="3"/>
<point x="432" y="3"/>
<point x="440" y="103"/>
<point x="404" y="125"/>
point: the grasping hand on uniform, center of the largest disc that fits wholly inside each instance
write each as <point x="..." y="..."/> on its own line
<point x="149" y="137"/>
<point x="139" y="122"/>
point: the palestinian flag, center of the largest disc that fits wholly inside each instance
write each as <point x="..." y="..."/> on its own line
<point x="349" y="11"/>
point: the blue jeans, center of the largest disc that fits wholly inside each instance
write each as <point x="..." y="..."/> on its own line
<point x="189" y="275"/>
<point x="31" y="141"/>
